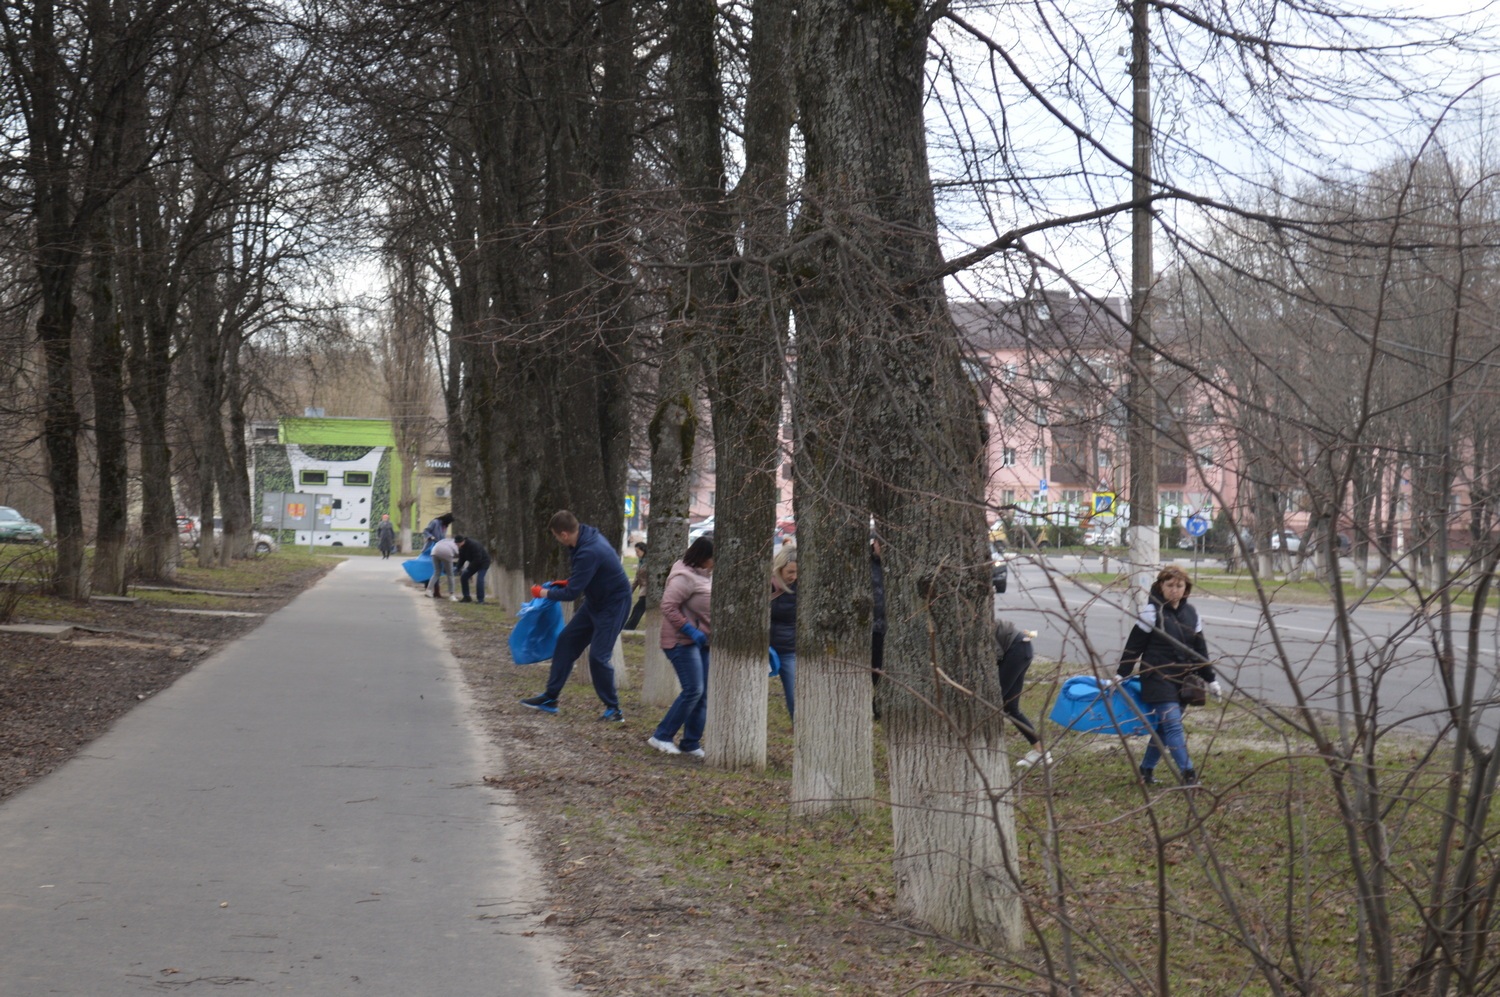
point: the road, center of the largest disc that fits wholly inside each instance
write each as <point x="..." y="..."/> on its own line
<point x="303" y="814"/>
<point x="1079" y="627"/>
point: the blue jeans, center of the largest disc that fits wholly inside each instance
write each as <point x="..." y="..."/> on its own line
<point x="478" y="576"/>
<point x="789" y="680"/>
<point x="597" y="633"/>
<point x="1166" y="718"/>
<point x="690" y="710"/>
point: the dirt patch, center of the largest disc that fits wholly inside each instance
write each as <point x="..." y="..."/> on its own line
<point x="622" y="830"/>
<point x="58" y="693"/>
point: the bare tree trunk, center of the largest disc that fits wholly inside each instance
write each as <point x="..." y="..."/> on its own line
<point x="106" y="375"/>
<point x="877" y="307"/>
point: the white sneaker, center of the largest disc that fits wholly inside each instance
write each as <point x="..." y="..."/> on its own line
<point x="453" y="598"/>
<point x="1032" y="757"/>
<point x="696" y="752"/>
<point x="666" y="747"/>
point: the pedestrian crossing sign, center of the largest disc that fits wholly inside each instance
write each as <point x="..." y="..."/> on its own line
<point x="1104" y="503"/>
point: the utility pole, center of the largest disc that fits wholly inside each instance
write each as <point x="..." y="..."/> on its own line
<point x="1145" y="538"/>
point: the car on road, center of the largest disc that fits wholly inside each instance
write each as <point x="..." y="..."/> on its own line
<point x="16" y="528"/>
<point x="702" y="528"/>
<point x="1000" y="559"/>
<point x="1286" y="540"/>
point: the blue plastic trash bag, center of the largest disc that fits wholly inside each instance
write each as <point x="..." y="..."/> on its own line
<point x="1082" y="708"/>
<point x="775" y="663"/>
<point x="419" y="568"/>
<point x="535" y="634"/>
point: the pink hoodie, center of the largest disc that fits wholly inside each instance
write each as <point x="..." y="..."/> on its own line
<point x="684" y="600"/>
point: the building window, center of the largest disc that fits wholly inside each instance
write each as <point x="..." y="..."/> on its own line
<point x="1105" y="458"/>
<point x="1008" y="497"/>
<point x="1039" y="457"/>
<point x="312" y="477"/>
<point x="1010" y="372"/>
<point x="1008" y="457"/>
<point x="1041" y="416"/>
<point x="1071" y="497"/>
<point x="1171" y="498"/>
<point x="1011" y="415"/>
<point x="1206" y="456"/>
<point x="359" y="478"/>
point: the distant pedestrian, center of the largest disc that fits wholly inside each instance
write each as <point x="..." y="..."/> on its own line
<point x="638" y="585"/>
<point x="473" y="562"/>
<point x="436" y="530"/>
<point x="444" y="555"/>
<point x="685" y="634"/>
<point x="784" y="620"/>
<point x="1167" y="643"/>
<point x="385" y="534"/>
<point x="1013" y="654"/>
<point x="596" y="574"/>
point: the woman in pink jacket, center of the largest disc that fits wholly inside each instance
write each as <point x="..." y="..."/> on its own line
<point x="684" y="636"/>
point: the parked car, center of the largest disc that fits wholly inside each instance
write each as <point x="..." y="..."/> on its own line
<point x="700" y="529"/>
<point x="1286" y="540"/>
<point x="17" y="528"/>
<point x="1000" y="559"/>
<point x="263" y="543"/>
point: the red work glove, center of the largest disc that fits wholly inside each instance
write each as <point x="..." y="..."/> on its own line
<point x="561" y="583"/>
<point x="536" y="591"/>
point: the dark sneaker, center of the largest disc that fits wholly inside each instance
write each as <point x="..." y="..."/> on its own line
<point x="1148" y="776"/>
<point x="608" y="716"/>
<point x="466" y="599"/>
<point x="544" y="702"/>
<point x="1189" y="777"/>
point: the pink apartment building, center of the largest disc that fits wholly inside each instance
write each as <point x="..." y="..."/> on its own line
<point x="1050" y="370"/>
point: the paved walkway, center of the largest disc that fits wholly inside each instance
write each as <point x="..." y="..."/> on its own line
<point x="303" y="814"/>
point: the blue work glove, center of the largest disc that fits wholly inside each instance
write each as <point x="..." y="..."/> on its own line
<point x="698" y="636"/>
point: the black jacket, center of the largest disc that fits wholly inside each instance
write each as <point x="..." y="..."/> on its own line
<point x="784" y="621"/>
<point x="1168" y="644"/>
<point x="471" y="553"/>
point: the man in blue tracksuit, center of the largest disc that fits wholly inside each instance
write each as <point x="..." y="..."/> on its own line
<point x="596" y="574"/>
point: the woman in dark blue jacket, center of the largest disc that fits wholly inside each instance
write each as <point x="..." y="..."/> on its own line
<point x="1167" y="642"/>
<point x="784" y="620"/>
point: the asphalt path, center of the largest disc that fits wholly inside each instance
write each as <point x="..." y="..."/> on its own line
<point x="1267" y="657"/>
<point x="304" y="814"/>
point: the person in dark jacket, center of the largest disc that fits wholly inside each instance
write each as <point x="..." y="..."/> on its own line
<point x="385" y="535"/>
<point x="473" y="562"/>
<point x="638" y="585"/>
<point x="784" y="621"/>
<point x="1013" y="653"/>
<point x="595" y="572"/>
<point x="1167" y="643"/>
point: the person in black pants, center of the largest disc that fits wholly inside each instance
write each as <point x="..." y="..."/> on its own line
<point x="1013" y="653"/>
<point x="474" y="561"/>
<point x="639" y="585"/>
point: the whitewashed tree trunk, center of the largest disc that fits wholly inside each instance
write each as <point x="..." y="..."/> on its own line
<point x="834" y="740"/>
<point x="735" y="735"/>
<point x="955" y="862"/>
<point x="659" y="684"/>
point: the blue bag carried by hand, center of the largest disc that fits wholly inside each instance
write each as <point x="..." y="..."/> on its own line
<point x="419" y="568"/>
<point x="1082" y="707"/>
<point x="534" y="636"/>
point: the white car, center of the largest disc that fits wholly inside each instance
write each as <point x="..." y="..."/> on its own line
<point x="1286" y="540"/>
<point x="696" y="530"/>
<point x="263" y="543"/>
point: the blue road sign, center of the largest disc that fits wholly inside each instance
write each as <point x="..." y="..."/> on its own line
<point x="1197" y="526"/>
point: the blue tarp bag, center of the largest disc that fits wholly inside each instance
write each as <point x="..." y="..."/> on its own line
<point x="534" y="636"/>
<point x="419" y="568"/>
<point x="1081" y="707"/>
